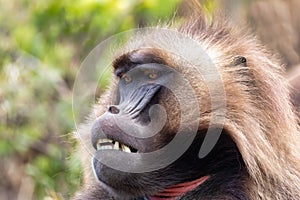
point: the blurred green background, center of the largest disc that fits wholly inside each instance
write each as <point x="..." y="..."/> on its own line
<point x="42" y="44"/>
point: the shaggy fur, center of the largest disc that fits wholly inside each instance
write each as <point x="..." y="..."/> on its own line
<point x="259" y="117"/>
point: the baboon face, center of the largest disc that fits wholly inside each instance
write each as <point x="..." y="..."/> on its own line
<point x="142" y="130"/>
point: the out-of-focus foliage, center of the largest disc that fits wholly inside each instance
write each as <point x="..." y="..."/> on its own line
<point x="42" y="44"/>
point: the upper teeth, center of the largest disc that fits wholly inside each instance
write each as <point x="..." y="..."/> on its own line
<point x="110" y="144"/>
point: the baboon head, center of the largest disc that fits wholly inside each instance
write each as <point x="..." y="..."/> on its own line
<point x="197" y="112"/>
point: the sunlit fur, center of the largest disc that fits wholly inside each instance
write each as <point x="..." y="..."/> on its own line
<point x="259" y="116"/>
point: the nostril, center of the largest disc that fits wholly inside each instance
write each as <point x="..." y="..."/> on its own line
<point x="113" y="109"/>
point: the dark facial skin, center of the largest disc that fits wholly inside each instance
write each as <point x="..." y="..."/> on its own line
<point x="127" y="122"/>
<point x="138" y="90"/>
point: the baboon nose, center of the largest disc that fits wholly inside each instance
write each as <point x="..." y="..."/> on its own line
<point x="113" y="109"/>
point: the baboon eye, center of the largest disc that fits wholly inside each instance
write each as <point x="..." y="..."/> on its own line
<point x="126" y="78"/>
<point x="152" y="75"/>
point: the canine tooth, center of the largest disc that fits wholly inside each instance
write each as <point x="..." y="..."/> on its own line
<point x="116" y="145"/>
<point x="125" y="148"/>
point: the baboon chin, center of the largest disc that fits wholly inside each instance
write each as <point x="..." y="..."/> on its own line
<point x="158" y="114"/>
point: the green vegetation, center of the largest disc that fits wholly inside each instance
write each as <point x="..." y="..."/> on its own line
<point x="42" y="44"/>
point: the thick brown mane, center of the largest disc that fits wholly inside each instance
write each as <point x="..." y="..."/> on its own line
<point x="259" y="116"/>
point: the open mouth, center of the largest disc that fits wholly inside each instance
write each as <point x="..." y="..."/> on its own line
<point x="105" y="144"/>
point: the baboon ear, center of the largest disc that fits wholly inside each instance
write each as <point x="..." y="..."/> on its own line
<point x="239" y="60"/>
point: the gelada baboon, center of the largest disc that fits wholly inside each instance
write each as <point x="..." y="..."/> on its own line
<point x="257" y="152"/>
